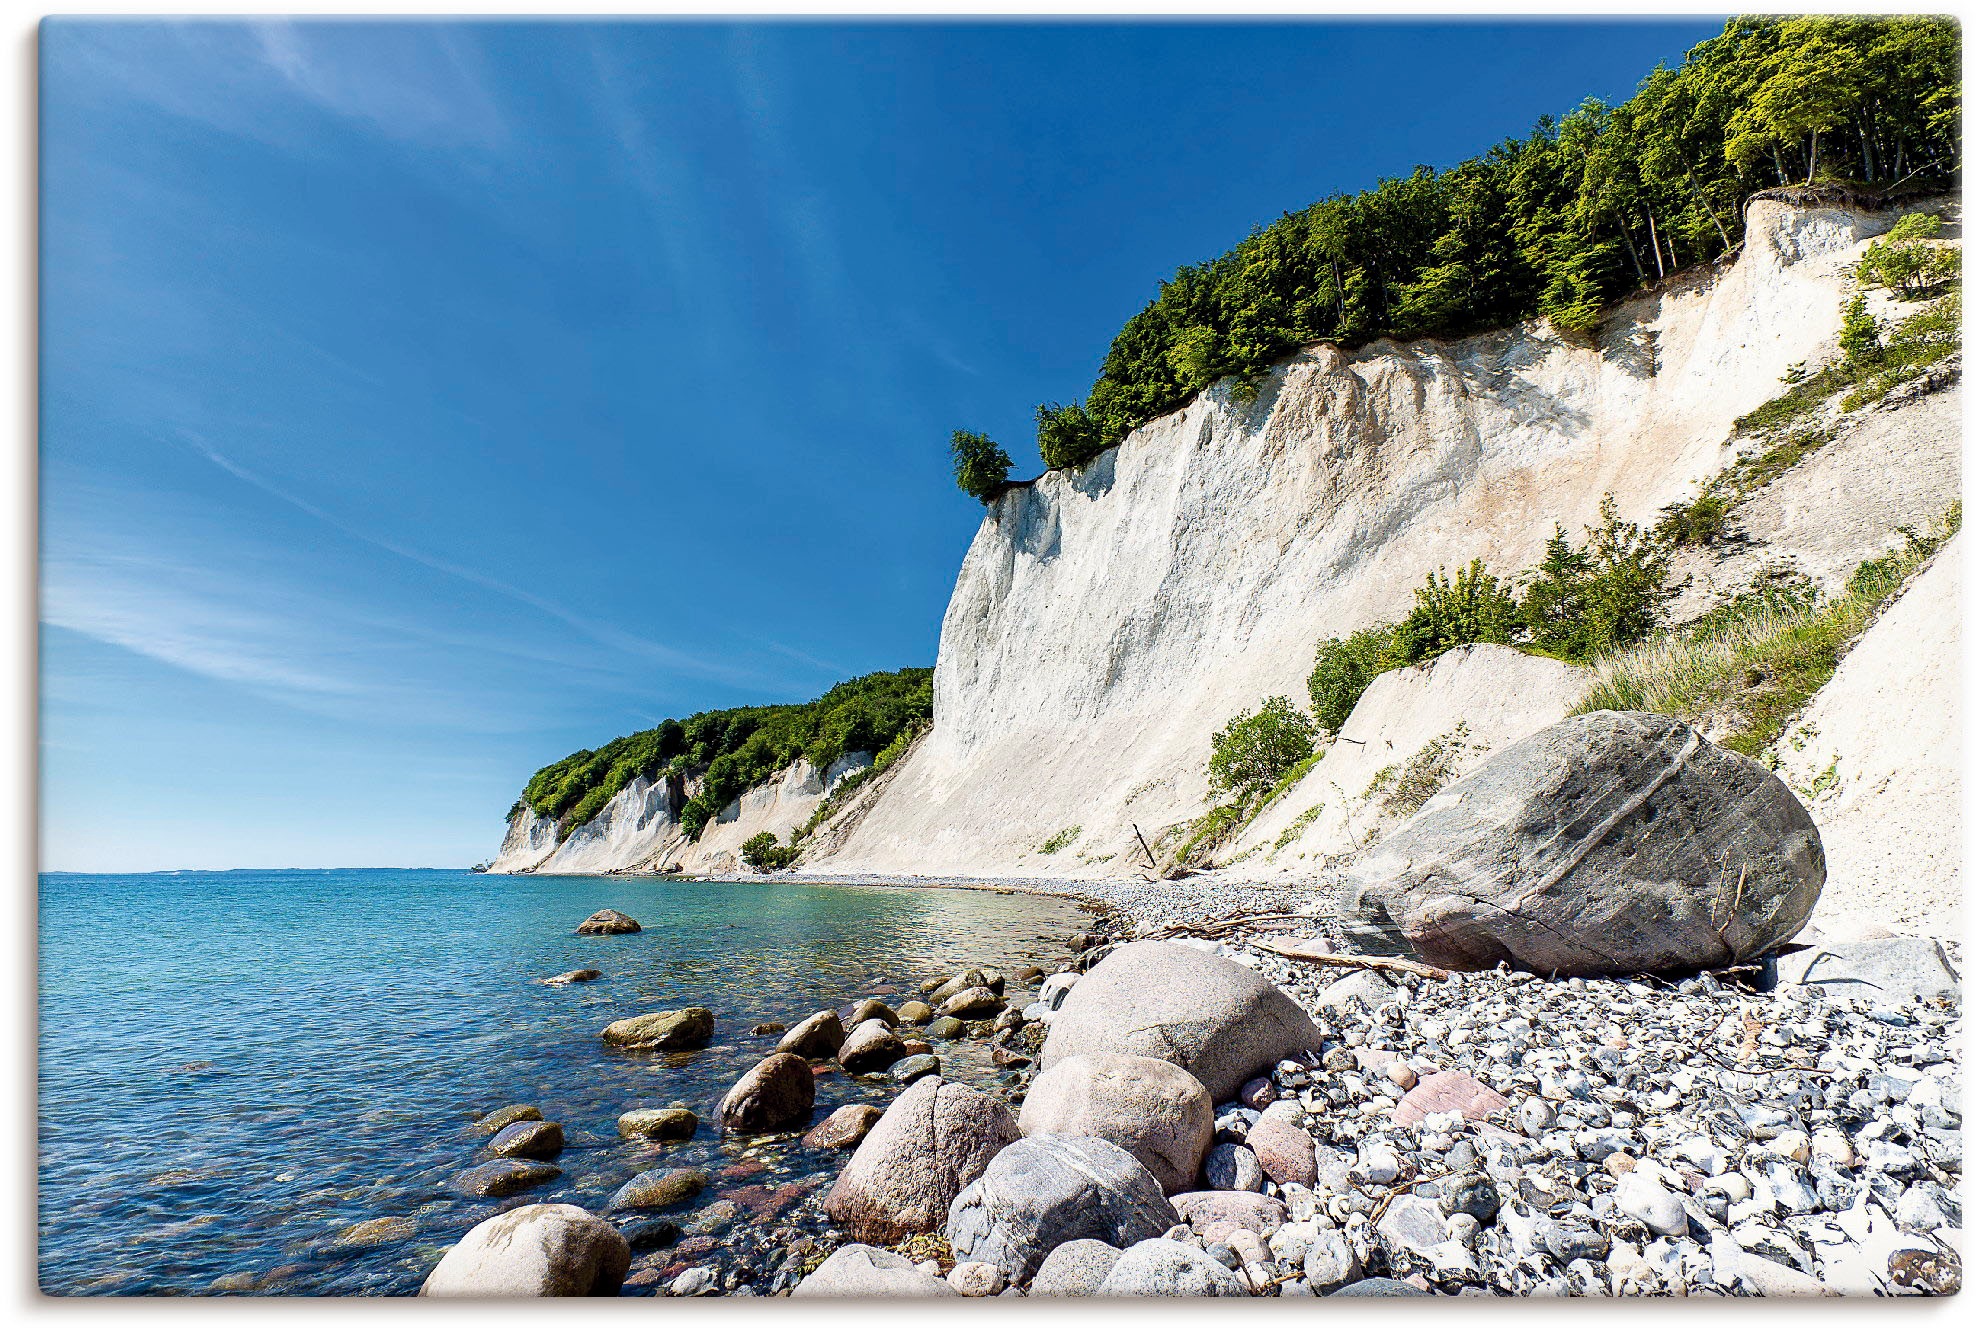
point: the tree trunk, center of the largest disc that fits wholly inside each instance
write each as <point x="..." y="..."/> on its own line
<point x="1633" y="253"/>
<point x="1694" y="189"/>
<point x="1811" y="163"/>
<point x="1653" y="237"/>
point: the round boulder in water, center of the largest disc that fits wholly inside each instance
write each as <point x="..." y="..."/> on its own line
<point x="607" y="922"/>
<point x="1613" y="842"/>
<point x="780" y="1090"/>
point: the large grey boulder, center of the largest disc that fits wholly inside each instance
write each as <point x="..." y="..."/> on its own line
<point x="1154" y="1110"/>
<point x="1896" y="970"/>
<point x="1074" y="1268"/>
<point x="817" y="1037"/>
<point x="1612" y="842"/>
<point x="933" y="1140"/>
<point x="663" y="1030"/>
<point x="539" y="1250"/>
<point x="1042" y="1191"/>
<point x="1208" y="1015"/>
<point x="859" y="1271"/>
<point x="1169" y="1268"/>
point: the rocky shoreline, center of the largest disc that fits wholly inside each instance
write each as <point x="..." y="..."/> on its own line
<point x="1477" y="1133"/>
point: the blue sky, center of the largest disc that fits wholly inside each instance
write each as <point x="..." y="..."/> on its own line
<point x="422" y="402"/>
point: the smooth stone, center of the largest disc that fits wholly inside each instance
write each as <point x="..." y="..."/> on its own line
<point x="377" y="1231"/>
<point x="1204" y="1210"/>
<point x="1074" y="1268"/>
<point x="1898" y="970"/>
<point x="574" y="975"/>
<point x="663" y="1030"/>
<point x="862" y="1272"/>
<point x="915" y="1012"/>
<point x="844" y="1127"/>
<point x="914" y="1067"/>
<point x="1152" y="1109"/>
<point x="607" y="922"/>
<point x="536" y="1139"/>
<point x="1380" y="1286"/>
<point x="506" y="1176"/>
<point x="1330" y="1262"/>
<point x="1232" y="1167"/>
<point x="779" y="1091"/>
<point x="870" y="1046"/>
<point x="1644" y="1199"/>
<point x="1449" y="1090"/>
<point x="816" y="1038"/>
<point x="869" y="1008"/>
<point x="946" y="1028"/>
<point x="1041" y="1191"/>
<point x="538" y="1250"/>
<point x="662" y="1123"/>
<point x="977" y="1279"/>
<point x="1210" y="1016"/>
<point x="651" y="1233"/>
<point x="496" y="1121"/>
<point x="971" y="1003"/>
<point x="1167" y="1268"/>
<point x="659" y="1189"/>
<point x="1283" y="1149"/>
<point x="935" y="1139"/>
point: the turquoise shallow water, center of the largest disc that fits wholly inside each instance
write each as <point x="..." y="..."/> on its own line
<point x="235" y="1067"/>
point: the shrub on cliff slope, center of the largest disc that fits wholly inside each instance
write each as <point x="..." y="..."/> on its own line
<point x="1560" y="223"/>
<point x="1255" y="750"/>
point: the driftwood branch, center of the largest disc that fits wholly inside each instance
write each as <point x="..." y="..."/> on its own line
<point x="1377" y="963"/>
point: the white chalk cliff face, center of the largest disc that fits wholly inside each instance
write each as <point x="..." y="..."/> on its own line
<point x="638" y="830"/>
<point x="1107" y="622"/>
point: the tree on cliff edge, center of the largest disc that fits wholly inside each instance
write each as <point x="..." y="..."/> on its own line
<point x="981" y="467"/>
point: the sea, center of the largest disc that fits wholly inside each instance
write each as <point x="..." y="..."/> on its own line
<point x="241" y="1072"/>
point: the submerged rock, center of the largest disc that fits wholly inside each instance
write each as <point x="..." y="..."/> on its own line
<point x="659" y="1189"/>
<point x="1210" y="1016"/>
<point x="540" y="1250"/>
<point x="1613" y="842"/>
<point x="607" y="922"/>
<point x="503" y="1177"/>
<point x="496" y="1121"/>
<point x="661" y="1123"/>
<point x="664" y="1030"/>
<point x="574" y="975"/>
<point x="916" y="1066"/>
<point x="536" y="1139"/>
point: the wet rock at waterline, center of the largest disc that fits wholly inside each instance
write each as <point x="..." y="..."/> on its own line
<point x="845" y="1127"/>
<point x="779" y="1091"/>
<point x="659" y="1189"/>
<point x="503" y="1177"/>
<point x="971" y="1003"/>
<point x="861" y="1272"/>
<point x="574" y="975"/>
<point x="869" y="1008"/>
<point x="933" y="1140"/>
<point x="871" y="1046"/>
<point x="1612" y="842"/>
<point x="534" y="1139"/>
<point x="915" y="1012"/>
<point x="1039" y="1192"/>
<point x="1154" y="1110"/>
<point x="1208" y="1015"/>
<point x="816" y="1037"/>
<point x="658" y="1123"/>
<point x="946" y="1028"/>
<point x="500" y="1119"/>
<point x="607" y="922"/>
<point x="540" y="1250"/>
<point x="664" y="1030"/>
<point x="916" y="1066"/>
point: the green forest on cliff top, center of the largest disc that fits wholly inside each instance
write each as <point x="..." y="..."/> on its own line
<point x="1581" y="212"/>
<point x="1584" y="211"/>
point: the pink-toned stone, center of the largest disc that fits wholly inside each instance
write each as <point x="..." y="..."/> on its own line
<point x="1206" y="1209"/>
<point x="1257" y="1093"/>
<point x="845" y="1127"/>
<point x="1450" y="1090"/>
<point x="1284" y="1150"/>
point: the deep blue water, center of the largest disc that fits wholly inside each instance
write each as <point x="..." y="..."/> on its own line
<point x="235" y="1067"/>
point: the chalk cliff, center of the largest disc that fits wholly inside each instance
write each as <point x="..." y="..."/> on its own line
<point x="1107" y="621"/>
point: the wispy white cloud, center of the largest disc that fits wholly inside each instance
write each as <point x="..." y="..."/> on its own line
<point x="415" y="82"/>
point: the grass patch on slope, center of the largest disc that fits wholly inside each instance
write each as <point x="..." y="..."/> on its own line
<point x="1751" y="667"/>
